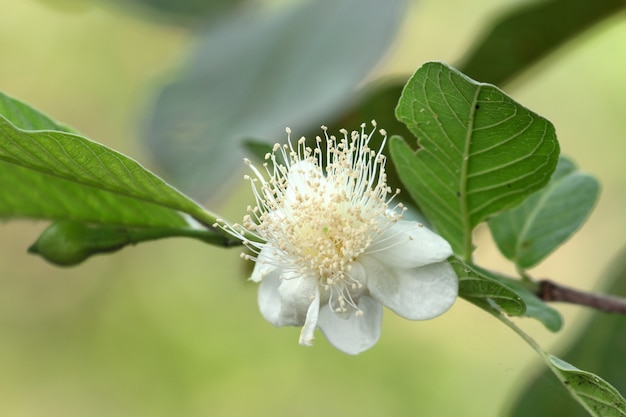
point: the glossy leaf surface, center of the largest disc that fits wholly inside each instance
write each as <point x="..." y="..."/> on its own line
<point x="479" y="152"/>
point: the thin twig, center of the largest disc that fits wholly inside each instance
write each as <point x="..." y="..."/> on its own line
<point x="551" y="291"/>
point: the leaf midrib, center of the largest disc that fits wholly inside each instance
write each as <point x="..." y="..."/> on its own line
<point x="98" y="186"/>
<point x="188" y="207"/>
<point x="465" y="216"/>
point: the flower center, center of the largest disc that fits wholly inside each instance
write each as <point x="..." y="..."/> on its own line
<point x="320" y="209"/>
<point x="322" y="237"/>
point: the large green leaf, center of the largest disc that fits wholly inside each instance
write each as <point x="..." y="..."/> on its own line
<point x="529" y="232"/>
<point x="255" y="74"/>
<point x="53" y="174"/>
<point x="600" y="347"/>
<point x="100" y="199"/>
<point x="25" y="117"/>
<point x="528" y="32"/>
<point x="479" y="152"/>
<point x="25" y="193"/>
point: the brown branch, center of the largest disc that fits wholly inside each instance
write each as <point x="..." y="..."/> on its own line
<point x="551" y="291"/>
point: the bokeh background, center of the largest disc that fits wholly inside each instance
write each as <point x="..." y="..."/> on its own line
<point x="171" y="328"/>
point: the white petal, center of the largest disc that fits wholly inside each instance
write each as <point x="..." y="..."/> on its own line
<point x="409" y="245"/>
<point x="296" y="294"/>
<point x="416" y="294"/>
<point x="310" y="324"/>
<point x="357" y="333"/>
<point x="264" y="264"/>
<point x="268" y="297"/>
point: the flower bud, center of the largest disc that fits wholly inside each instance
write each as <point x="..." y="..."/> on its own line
<point x="69" y="242"/>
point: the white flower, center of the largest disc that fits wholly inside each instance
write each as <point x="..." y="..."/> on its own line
<point x="329" y="249"/>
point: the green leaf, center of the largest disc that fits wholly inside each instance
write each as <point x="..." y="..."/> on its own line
<point x="49" y="174"/>
<point x="479" y="152"/>
<point x="535" y="307"/>
<point x="190" y="12"/>
<point x="25" y="193"/>
<point x="25" y="117"/>
<point x="599" y="347"/>
<point x="528" y="32"/>
<point x="529" y="232"/>
<point x="596" y="395"/>
<point x="483" y="291"/>
<point x="255" y="74"/>
<point x="102" y="199"/>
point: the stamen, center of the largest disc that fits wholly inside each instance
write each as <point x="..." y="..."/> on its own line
<point x="320" y="210"/>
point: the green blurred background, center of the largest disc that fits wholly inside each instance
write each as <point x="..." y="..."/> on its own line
<point x="172" y="328"/>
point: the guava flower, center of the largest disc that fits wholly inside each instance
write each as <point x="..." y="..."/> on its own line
<point x="331" y="249"/>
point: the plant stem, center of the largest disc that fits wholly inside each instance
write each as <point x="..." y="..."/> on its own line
<point x="529" y="340"/>
<point x="208" y="219"/>
<point x="551" y="291"/>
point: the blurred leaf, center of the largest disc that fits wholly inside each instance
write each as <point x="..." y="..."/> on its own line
<point x="68" y="242"/>
<point x="529" y="232"/>
<point x="479" y="151"/>
<point x="184" y="11"/>
<point x="254" y="75"/>
<point x="256" y="148"/>
<point x="377" y="102"/>
<point x="50" y="174"/>
<point x="530" y="31"/>
<point x="600" y="347"/>
<point x="482" y="290"/>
